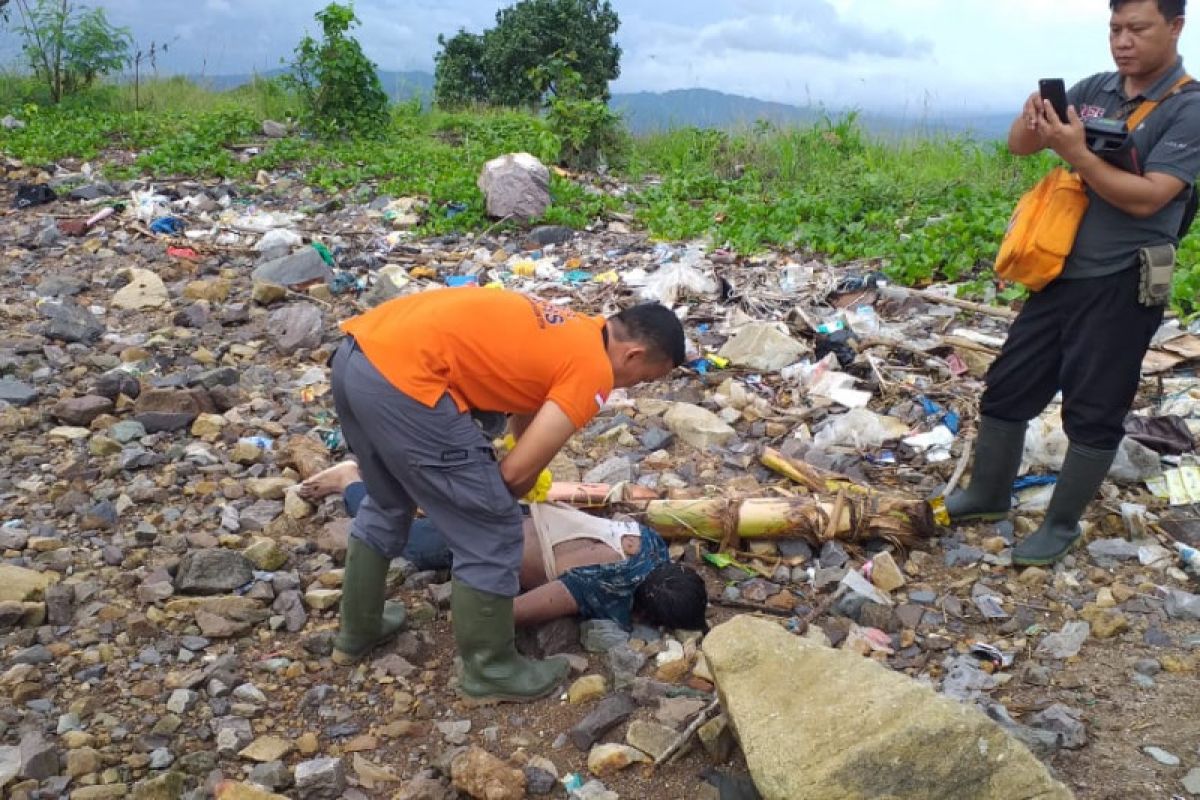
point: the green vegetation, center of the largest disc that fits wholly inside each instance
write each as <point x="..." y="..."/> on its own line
<point x="921" y="210"/>
<point x="68" y="47"/>
<point x="338" y="85"/>
<point x="500" y="67"/>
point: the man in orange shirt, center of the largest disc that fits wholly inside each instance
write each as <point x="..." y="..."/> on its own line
<point x="405" y="383"/>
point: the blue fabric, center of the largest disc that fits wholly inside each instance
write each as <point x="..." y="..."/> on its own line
<point x="425" y="548"/>
<point x="605" y="591"/>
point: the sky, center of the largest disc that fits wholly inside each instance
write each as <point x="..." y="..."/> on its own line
<point x="915" y="57"/>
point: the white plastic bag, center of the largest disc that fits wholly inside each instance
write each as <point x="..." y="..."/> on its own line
<point x="279" y="237"/>
<point x="858" y="428"/>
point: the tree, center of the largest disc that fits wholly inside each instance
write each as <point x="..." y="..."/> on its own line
<point x="500" y="66"/>
<point x="68" y="47"/>
<point x="338" y="84"/>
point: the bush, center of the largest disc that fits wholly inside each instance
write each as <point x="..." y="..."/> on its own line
<point x="591" y="135"/>
<point x="338" y="85"/>
<point x="69" y="48"/>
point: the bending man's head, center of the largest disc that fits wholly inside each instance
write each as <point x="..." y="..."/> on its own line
<point x="672" y="596"/>
<point x="645" y="343"/>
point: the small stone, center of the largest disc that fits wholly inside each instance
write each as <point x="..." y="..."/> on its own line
<point x="606" y="715"/>
<point x="1191" y="781"/>
<point x="322" y="599"/>
<point x="307" y="744"/>
<point x="606" y="759"/>
<point x="1162" y="756"/>
<point x="1105" y="623"/>
<point x="650" y="738"/>
<point x="587" y="689"/>
<point x="886" y="576"/>
<point x="480" y="774"/>
<point x="320" y="779"/>
<point x="265" y="749"/>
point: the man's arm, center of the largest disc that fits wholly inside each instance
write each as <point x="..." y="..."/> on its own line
<point x="1137" y="195"/>
<point x="519" y="423"/>
<point x="536" y="447"/>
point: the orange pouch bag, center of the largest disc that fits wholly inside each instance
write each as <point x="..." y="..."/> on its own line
<point x="1042" y="230"/>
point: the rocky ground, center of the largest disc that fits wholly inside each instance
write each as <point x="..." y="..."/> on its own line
<point x="167" y="601"/>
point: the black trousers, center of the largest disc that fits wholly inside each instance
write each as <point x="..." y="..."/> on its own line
<point x="1086" y="337"/>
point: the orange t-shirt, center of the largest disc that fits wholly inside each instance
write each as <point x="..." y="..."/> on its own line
<point x="491" y="350"/>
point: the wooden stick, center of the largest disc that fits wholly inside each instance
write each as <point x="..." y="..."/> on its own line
<point x="966" y="305"/>
<point x="743" y="605"/>
<point x="669" y="754"/>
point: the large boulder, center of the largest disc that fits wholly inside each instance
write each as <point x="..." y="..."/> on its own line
<point x="516" y="185"/>
<point x="698" y="426"/>
<point x="761" y="345"/>
<point x="817" y="723"/>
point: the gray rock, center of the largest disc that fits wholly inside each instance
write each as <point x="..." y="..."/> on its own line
<point x="38" y="654"/>
<point x="71" y="323"/>
<point x="290" y="605"/>
<point x="1191" y="781"/>
<point x="617" y="469"/>
<point x="1119" y="549"/>
<point x="93" y="191"/>
<point x="1162" y="756"/>
<point x="1182" y="605"/>
<point x="515" y="185"/>
<point x="606" y="715"/>
<point x="624" y="664"/>
<point x="59" y="286"/>
<point x="274" y="130"/>
<point x="656" y="439"/>
<point x="1064" y="721"/>
<point x="833" y="555"/>
<point x="127" y="431"/>
<point x="17" y="393"/>
<point x="214" y="571"/>
<point x="274" y="775"/>
<point x="539" y="782"/>
<point x="601" y="635"/>
<point x="544" y="235"/>
<point x="115" y="383"/>
<point x="300" y="268"/>
<point x="1041" y="743"/>
<point x="795" y="548"/>
<point x="39" y="758"/>
<point x="1147" y="666"/>
<point x="320" y="779"/>
<point x="1067" y="642"/>
<point x="60" y="604"/>
<point x="161" y="758"/>
<point x="13" y="537"/>
<point x="295" y="327"/>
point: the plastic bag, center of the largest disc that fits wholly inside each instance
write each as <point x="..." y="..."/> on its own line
<point x="680" y="277"/>
<point x="858" y="428"/>
<point x="279" y="237"/>
<point x="148" y="206"/>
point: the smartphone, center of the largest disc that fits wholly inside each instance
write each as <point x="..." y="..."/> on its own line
<point x="1054" y="90"/>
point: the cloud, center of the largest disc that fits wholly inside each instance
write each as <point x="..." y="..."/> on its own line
<point x="218" y="6"/>
<point x="818" y="30"/>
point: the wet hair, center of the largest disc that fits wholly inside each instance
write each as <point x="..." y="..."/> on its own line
<point x="1168" y="8"/>
<point x="672" y="596"/>
<point x="657" y="327"/>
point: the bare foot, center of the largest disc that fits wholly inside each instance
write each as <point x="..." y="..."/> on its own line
<point x="330" y="481"/>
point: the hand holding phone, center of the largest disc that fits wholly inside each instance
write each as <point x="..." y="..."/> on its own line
<point x="1054" y="90"/>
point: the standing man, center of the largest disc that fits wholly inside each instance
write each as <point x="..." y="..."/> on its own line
<point x="1087" y="332"/>
<point x="404" y="383"/>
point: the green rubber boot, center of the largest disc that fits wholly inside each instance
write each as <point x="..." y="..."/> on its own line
<point x="1083" y="471"/>
<point x="366" y="620"/>
<point x="492" y="669"/>
<point x="998" y="450"/>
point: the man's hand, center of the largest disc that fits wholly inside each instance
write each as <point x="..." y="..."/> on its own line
<point x="1068" y="139"/>
<point x="536" y="448"/>
<point x="1026" y="135"/>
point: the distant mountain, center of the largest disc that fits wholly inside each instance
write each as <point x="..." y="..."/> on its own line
<point x="648" y="112"/>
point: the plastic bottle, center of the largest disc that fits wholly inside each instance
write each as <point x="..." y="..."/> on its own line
<point x="1190" y="557"/>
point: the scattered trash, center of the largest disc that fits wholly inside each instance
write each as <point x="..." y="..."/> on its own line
<point x="30" y="195"/>
<point x="167" y="226"/>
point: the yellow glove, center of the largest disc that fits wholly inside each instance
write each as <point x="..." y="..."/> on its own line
<point x="541" y="489"/>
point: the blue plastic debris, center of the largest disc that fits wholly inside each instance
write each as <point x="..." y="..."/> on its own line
<point x="462" y="280"/>
<point x="454" y="209"/>
<point x="167" y="226"/>
<point x="344" y="282"/>
<point x="1030" y="481"/>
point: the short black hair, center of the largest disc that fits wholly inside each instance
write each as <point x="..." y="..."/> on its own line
<point x="1168" y="8"/>
<point x="673" y="596"/>
<point x="656" y="326"/>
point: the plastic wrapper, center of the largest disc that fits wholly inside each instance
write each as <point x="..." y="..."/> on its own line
<point x="279" y="237"/>
<point x="857" y="428"/>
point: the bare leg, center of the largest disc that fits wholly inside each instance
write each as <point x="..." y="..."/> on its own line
<point x="543" y="604"/>
<point x="330" y="481"/>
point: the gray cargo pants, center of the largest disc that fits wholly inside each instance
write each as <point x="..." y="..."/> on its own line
<point x="436" y="458"/>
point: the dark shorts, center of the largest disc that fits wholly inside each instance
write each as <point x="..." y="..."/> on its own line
<point x="605" y="591"/>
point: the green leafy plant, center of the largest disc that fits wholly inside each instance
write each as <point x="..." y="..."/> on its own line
<point x="338" y="84"/>
<point x="68" y="47"/>
<point x="499" y="66"/>
<point x="590" y="134"/>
